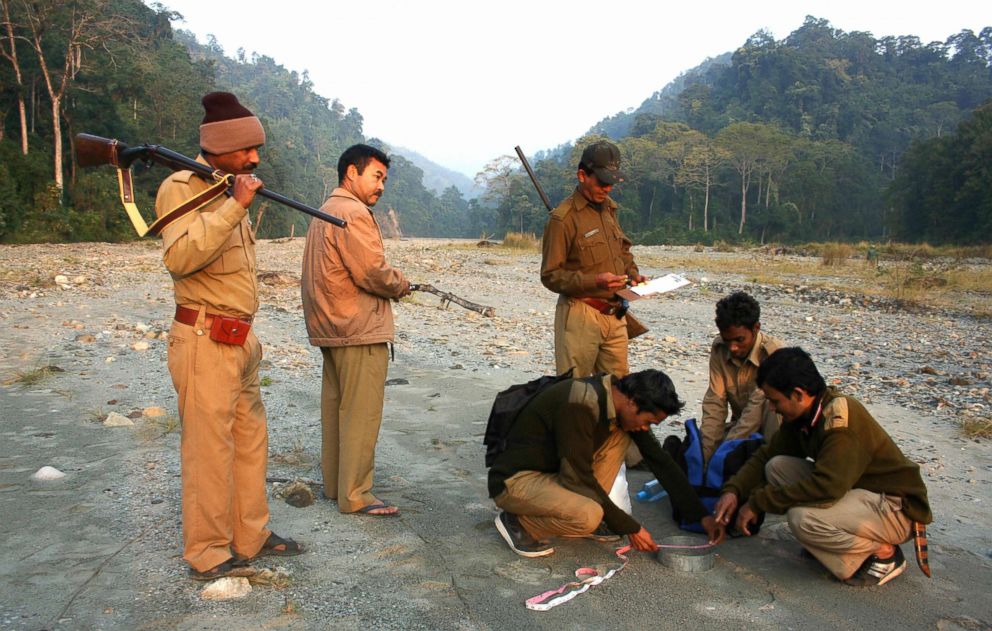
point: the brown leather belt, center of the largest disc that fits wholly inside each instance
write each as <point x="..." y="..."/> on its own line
<point x="604" y="307"/>
<point x="188" y="317"/>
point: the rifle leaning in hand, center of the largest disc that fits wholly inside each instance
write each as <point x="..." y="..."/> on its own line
<point x="449" y="297"/>
<point x="96" y="151"/>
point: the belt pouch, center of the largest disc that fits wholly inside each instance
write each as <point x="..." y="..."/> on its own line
<point x="229" y="330"/>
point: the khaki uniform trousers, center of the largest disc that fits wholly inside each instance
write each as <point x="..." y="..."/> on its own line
<point x="556" y="504"/>
<point x="592" y="342"/>
<point x="223" y="447"/>
<point x="351" y="397"/>
<point x="589" y="340"/>
<point x="843" y="534"/>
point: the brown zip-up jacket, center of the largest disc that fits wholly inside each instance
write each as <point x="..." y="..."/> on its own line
<point x="347" y="283"/>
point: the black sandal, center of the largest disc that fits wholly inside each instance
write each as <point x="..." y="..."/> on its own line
<point x="231" y="567"/>
<point x="272" y="545"/>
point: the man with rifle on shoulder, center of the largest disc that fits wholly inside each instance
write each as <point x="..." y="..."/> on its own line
<point x="586" y="259"/>
<point x="213" y="352"/>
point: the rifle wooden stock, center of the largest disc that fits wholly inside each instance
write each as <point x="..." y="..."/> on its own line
<point x="533" y="178"/>
<point x="96" y="151"/>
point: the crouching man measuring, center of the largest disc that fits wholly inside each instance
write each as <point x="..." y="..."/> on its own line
<point x="850" y="494"/>
<point x="566" y="446"/>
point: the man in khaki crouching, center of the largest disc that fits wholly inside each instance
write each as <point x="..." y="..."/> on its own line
<point x="213" y="352"/>
<point x="850" y="494"/>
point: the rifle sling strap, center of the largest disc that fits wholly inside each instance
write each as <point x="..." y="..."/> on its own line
<point x="222" y="183"/>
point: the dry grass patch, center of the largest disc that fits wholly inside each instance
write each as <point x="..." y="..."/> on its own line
<point x="33" y="377"/>
<point x="521" y="241"/>
<point x="155" y="427"/>
<point x="295" y="456"/>
<point x="976" y="428"/>
<point x="836" y="254"/>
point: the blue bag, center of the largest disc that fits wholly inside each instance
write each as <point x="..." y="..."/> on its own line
<point x="708" y="480"/>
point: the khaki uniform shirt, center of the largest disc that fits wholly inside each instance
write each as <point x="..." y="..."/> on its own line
<point x="579" y="243"/>
<point x="734" y="381"/>
<point x="210" y="253"/>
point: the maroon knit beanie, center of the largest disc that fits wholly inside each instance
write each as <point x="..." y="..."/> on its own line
<point x="228" y="125"/>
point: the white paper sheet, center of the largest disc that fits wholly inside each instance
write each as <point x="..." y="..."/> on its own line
<point x="660" y="285"/>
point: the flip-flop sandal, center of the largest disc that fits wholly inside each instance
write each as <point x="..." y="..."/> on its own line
<point x="272" y="545"/>
<point x="227" y="568"/>
<point x="366" y="510"/>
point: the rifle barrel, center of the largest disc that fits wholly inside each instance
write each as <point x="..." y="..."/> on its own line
<point x="533" y="178"/>
<point x="172" y="158"/>
<point x="94" y="151"/>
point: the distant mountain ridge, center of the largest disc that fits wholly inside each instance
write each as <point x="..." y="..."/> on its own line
<point x="438" y="178"/>
<point x="663" y="103"/>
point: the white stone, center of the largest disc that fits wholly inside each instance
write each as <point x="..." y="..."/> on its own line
<point x="61" y="280"/>
<point x="47" y="473"/>
<point x="140" y="346"/>
<point x="226" y="588"/>
<point x="141" y="327"/>
<point x="117" y="420"/>
<point x="154" y="411"/>
<point x="79" y="280"/>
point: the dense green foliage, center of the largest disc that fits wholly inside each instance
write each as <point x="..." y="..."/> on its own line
<point x="131" y="77"/>
<point x="799" y="139"/>
<point x="824" y="135"/>
<point x="944" y="188"/>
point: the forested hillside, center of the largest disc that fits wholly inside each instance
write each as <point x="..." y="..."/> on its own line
<point x="115" y="68"/>
<point x="800" y="139"/>
<point x="823" y="135"/>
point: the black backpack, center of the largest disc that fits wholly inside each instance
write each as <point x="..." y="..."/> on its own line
<point x="509" y="403"/>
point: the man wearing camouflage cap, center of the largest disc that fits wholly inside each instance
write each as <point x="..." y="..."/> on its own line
<point x="213" y="352"/>
<point x="586" y="259"/>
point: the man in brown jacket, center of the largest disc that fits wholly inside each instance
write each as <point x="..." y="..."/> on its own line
<point x="586" y="259"/>
<point x="347" y="285"/>
<point x="213" y="352"/>
<point x="735" y="356"/>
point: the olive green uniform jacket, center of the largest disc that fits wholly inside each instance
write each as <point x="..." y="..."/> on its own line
<point x="849" y="449"/>
<point x="563" y="424"/>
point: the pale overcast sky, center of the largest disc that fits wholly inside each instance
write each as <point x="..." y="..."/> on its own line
<point x="462" y="82"/>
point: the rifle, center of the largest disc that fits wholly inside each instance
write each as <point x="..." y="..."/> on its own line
<point x="96" y="151"/>
<point x="533" y="178"/>
<point x="449" y="297"/>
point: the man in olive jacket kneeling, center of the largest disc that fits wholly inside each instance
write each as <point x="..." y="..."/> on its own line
<point x="565" y="449"/>
<point x="850" y="494"/>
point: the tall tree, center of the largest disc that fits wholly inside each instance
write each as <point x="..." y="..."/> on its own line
<point x="60" y="31"/>
<point x="8" y="49"/>
<point x="703" y="159"/>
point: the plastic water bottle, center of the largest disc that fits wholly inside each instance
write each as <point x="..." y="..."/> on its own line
<point x="651" y="492"/>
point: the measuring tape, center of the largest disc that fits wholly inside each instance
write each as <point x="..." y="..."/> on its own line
<point x="590" y="577"/>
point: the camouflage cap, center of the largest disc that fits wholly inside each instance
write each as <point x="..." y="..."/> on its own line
<point x="603" y="159"/>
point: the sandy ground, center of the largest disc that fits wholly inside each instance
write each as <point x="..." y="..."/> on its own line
<point x="100" y="548"/>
